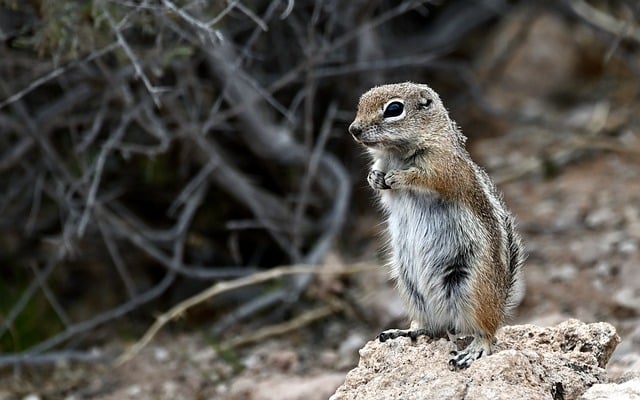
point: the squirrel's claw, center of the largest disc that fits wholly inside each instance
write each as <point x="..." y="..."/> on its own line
<point x="461" y="359"/>
<point x="396" y="333"/>
<point x="376" y="180"/>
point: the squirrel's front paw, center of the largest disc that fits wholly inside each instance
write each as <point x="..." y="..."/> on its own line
<point x="395" y="178"/>
<point x="376" y="180"/>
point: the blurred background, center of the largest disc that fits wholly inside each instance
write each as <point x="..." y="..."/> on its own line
<point x="150" y="149"/>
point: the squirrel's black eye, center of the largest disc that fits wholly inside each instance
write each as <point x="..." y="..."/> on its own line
<point x="394" y="109"/>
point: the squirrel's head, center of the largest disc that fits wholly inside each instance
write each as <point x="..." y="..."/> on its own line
<point x="402" y="118"/>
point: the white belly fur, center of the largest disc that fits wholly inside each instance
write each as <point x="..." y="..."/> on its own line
<point x="425" y="232"/>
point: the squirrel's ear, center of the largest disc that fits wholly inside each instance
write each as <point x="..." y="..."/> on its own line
<point x="425" y="103"/>
<point x="425" y="100"/>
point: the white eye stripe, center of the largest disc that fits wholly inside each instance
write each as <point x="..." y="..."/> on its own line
<point x="393" y="110"/>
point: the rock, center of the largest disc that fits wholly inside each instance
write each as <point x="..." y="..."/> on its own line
<point x="529" y="362"/>
<point x="629" y="390"/>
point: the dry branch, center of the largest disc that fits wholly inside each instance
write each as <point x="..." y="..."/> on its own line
<point x="604" y="21"/>
<point x="296" y="323"/>
<point x="219" y="288"/>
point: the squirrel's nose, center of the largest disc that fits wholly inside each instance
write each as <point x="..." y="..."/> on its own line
<point x="355" y="130"/>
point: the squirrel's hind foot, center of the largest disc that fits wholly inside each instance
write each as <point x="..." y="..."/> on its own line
<point x="396" y="333"/>
<point x="461" y="359"/>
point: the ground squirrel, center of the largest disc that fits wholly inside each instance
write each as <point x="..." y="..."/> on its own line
<point x="455" y="254"/>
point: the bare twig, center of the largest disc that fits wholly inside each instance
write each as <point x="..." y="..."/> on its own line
<point x="90" y="324"/>
<point x="27" y="294"/>
<point x="372" y="65"/>
<point x="54" y="74"/>
<point x="117" y="259"/>
<point x="115" y="137"/>
<point x="35" y="205"/>
<point x="287" y="11"/>
<point x="230" y="6"/>
<point x="205" y="27"/>
<point x="604" y="21"/>
<point x="252" y="16"/>
<point x="252" y="307"/>
<point x="48" y="293"/>
<point x="153" y="91"/>
<point x="90" y="136"/>
<point x="15" y="153"/>
<point x="137" y="239"/>
<point x="294" y="73"/>
<point x="269" y="211"/>
<point x="311" y="169"/>
<point x="298" y="322"/>
<point x="54" y="357"/>
<point x="216" y="289"/>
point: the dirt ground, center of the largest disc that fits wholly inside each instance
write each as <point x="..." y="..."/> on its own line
<point x="581" y="226"/>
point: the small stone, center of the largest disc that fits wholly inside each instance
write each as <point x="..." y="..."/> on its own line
<point x="283" y="360"/>
<point x="588" y="250"/>
<point x="603" y="269"/>
<point x="161" y="354"/>
<point x="628" y="246"/>
<point x="134" y="390"/>
<point x="564" y="273"/>
<point x="628" y="297"/>
<point x="169" y="389"/>
<point x="205" y="355"/>
<point x="602" y="218"/>
<point x="253" y="361"/>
